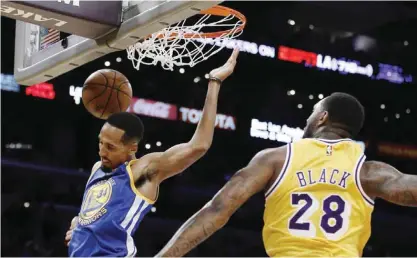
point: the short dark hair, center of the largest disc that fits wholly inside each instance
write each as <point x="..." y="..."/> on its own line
<point x="345" y="112"/>
<point x="128" y="122"/>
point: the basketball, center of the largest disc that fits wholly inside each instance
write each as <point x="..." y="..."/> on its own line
<point x="106" y="92"/>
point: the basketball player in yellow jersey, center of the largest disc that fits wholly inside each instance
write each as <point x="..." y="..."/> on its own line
<point x="319" y="191"/>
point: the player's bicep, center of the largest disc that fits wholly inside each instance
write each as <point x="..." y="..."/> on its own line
<point x="384" y="181"/>
<point x="245" y="183"/>
<point x="176" y="159"/>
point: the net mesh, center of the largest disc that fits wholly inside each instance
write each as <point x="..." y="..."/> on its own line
<point x="184" y="45"/>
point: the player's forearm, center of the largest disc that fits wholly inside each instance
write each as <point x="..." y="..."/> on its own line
<point x="197" y="229"/>
<point x="203" y="135"/>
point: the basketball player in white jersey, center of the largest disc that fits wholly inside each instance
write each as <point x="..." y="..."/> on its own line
<point x="122" y="188"/>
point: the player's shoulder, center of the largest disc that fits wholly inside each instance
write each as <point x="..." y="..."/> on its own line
<point x="372" y="174"/>
<point x="272" y="155"/>
<point x="371" y="167"/>
<point x="274" y="151"/>
<point x="374" y="164"/>
<point x="141" y="166"/>
<point x="147" y="159"/>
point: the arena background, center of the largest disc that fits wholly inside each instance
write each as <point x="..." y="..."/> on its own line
<point x="49" y="141"/>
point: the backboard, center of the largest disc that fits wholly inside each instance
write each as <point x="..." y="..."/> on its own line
<point x="96" y="28"/>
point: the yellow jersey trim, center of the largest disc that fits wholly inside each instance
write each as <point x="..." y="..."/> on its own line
<point x="132" y="184"/>
<point x="358" y="167"/>
<point x="284" y="169"/>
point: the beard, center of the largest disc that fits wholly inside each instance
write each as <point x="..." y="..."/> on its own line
<point x="106" y="169"/>
<point x="308" y="131"/>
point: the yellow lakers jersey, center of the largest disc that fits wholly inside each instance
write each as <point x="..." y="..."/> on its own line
<point x="316" y="206"/>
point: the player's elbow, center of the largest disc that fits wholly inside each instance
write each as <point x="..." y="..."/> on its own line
<point x="203" y="148"/>
<point x="200" y="148"/>
<point x="219" y="213"/>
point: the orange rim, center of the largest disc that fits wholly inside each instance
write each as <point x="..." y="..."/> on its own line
<point x="217" y="10"/>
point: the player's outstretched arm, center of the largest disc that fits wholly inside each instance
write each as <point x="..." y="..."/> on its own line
<point x="161" y="166"/>
<point x="215" y="214"/>
<point x="384" y="181"/>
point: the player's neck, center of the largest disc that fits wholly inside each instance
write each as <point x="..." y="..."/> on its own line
<point x="330" y="134"/>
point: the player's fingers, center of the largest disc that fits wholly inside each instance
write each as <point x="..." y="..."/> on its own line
<point x="68" y="235"/>
<point x="235" y="53"/>
<point x="234" y="56"/>
<point x="231" y="63"/>
<point x="232" y="59"/>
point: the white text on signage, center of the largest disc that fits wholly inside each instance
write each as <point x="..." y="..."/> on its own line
<point x="193" y="116"/>
<point x="285" y="134"/>
<point x="244" y="46"/>
<point x="268" y="130"/>
<point x="76" y="93"/>
<point x="343" y="66"/>
<point x="153" y="108"/>
<point x="33" y="16"/>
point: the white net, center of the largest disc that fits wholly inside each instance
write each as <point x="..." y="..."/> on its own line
<point x="185" y="45"/>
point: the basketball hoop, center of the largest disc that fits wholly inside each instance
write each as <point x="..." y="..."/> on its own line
<point x="186" y="45"/>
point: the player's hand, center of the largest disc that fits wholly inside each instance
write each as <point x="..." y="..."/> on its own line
<point x="68" y="235"/>
<point x="227" y="69"/>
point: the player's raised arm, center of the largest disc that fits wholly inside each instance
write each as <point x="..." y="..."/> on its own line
<point x="215" y="214"/>
<point x="384" y="181"/>
<point x="179" y="157"/>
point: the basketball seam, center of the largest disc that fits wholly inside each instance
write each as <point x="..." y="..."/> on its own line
<point x="101" y="93"/>
<point x="118" y="102"/>
<point x="118" y="90"/>
<point x="111" y="93"/>
<point x="99" y="84"/>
